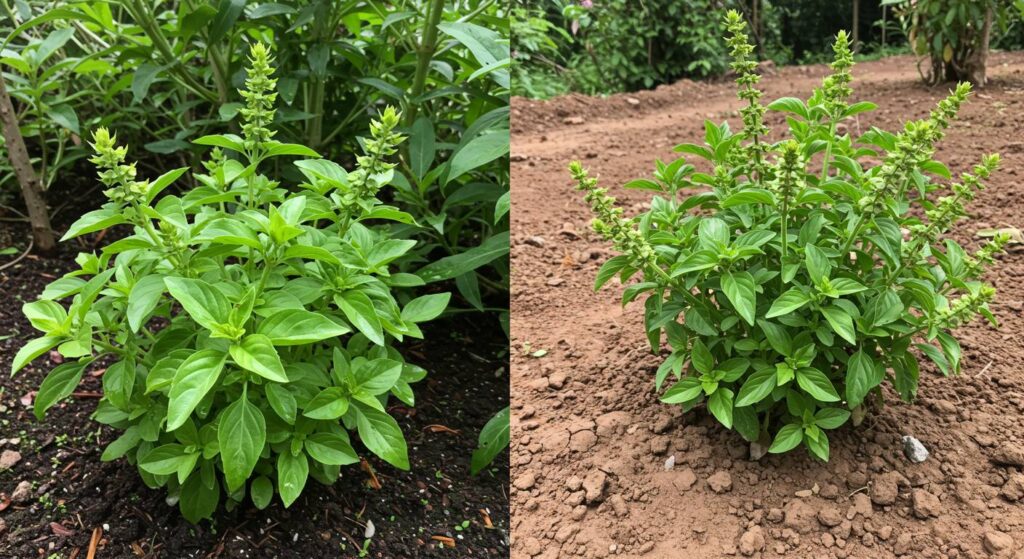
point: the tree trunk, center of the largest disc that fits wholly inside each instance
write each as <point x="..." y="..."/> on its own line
<point x="974" y="66"/>
<point x="856" y="26"/>
<point x="31" y="186"/>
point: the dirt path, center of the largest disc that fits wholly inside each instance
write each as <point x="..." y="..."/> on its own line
<point x="590" y="440"/>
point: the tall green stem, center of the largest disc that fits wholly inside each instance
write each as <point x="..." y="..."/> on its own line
<point x="424" y="55"/>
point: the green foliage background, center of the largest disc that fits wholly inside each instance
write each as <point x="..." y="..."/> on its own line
<point x="606" y="46"/>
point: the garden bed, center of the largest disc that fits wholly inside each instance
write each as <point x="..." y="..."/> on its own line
<point x="591" y="442"/>
<point x="72" y="495"/>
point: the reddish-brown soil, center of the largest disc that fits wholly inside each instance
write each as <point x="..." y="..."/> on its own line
<point x="591" y="440"/>
<point x="72" y="493"/>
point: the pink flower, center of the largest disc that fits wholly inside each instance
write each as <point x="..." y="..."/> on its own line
<point x="587" y="4"/>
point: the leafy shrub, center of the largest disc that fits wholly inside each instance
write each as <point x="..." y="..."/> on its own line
<point x="955" y="34"/>
<point x="445" y="65"/>
<point x="289" y="312"/>
<point x="800" y="292"/>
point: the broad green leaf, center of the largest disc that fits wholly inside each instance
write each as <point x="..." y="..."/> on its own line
<point x="119" y="383"/>
<point x="790" y="105"/>
<point x="330" y="448"/>
<point x="377" y="376"/>
<point x="241" y="434"/>
<point x="749" y="196"/>
<point x="282" y="402"/>
<point x="788" y="438"/>
<point x="227" y="231"/>
<point x="831" y="418"/>
<point x="361" y="313"/>
<point x="701" y="358"/>
<point x="203" y="302"/>
<point x="289" y="327"/>
<point x="292" y="472"/>
<point x="382" y="436"/>
<point x="687" y="389"/>
<point x="449" y="267"/>
<point x="256" y="353"/>
<point x="841" y="323"/>
<point x="478" y="152"/>
<point x="740" y="290"/>
<point x="818" y="265"/>
<point x="427" y="307"/>
<point x="720" y="405"/>
<point x="142" y="299"/>
<point x="276" y="149"/>
<point x="936" y="356"/>
<point x="194" y="378"/>
<point x="197" y="501"/>
<point x="757" y="387"/>
<point x="95" y="220"/>
<point x="45" y="316"/>
<point x="166" y="460"/>
<point x="422" y="146"/>
<point x="261" y="489"/>
<point x="494" y="437"/>
<point x="860" y="378"/>
<point x="817" y="445"/>
<point x="121" y="445"/>
<point x="609" y="269"/>
<point x="331" y="403"/>
<point x="57" y="385"/>
<point x="815" y="383"/>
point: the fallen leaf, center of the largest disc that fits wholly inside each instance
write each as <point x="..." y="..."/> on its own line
<point x="58" y="529"/>
<point x="445" y="540"/>
<point x="442" y="429"/>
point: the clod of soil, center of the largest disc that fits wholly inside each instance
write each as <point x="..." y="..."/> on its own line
<point x="963" y="501"/>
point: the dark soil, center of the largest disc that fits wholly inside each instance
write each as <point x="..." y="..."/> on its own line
<point x="591" y="440"/>
<point x="74" y="493"/>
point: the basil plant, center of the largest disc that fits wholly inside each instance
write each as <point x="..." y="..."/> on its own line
<point x="815" y="270"/>
<point x="246" y="328"/>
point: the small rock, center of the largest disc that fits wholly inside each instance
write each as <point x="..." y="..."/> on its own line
<point x="775" y="515"/>
<point x="8" y="459"/>
<point x="800" y="516"/>
<point x="830" y="517"/>
<point x="575" y="120"/>
<point x="752" y="541"/>
<point x="670" y="463"/>
<point x="531" y="546"/>
<point x="925" y="504"/>
<point x="633" y="101"/>
<point x="659" y="445"/>
<point x="1013" y="489"/>
<point x="535" y="241"/>
<point x="1008" y="454"/>
<point x="557" y="380"/>
<point x="555" y="282"/>
<point x="884" y="533"/>
<point x="720" y="481"/>
<point x="685" y="479"/>
<point x="944" y="407"/>
<point x="757" y="451"/>
<point x="804" y="493"/>
<point x="914" y="450"/>
<point x="861" y="506"/>
<point x="22" y="493"/>
<point x="997" y="543"/>
<point x="885" y="489"/>
<point x="582" y="441"/>
<point x="525" y="481"/>
<point x="618" y="505"/>
<point x="574" y="483"/>
<point x="595" y="484"/>
<point x="904" y="542"/>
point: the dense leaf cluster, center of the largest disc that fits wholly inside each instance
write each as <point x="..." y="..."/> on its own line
<point x="793" y="294"/>
<point x="245" y="327"/>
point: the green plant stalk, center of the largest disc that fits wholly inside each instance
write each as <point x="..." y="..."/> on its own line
<point x="148" y="24"/>
<point x="423" y="57"/>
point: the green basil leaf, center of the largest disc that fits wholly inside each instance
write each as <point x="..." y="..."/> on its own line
<point x="292" y="472"/>
<point x="330" y="448"/>
<point x="382" y="436"/>
<point x="494" y="437"/>
<point x="788" y="438"/>
<point x="241" y="434"/>
<point x="203" y="302"/>
<point x="298" y="327"/>
<point x="256" y="353"/>
<point x="193" y="379"/>
<point x="815" y="383"/>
